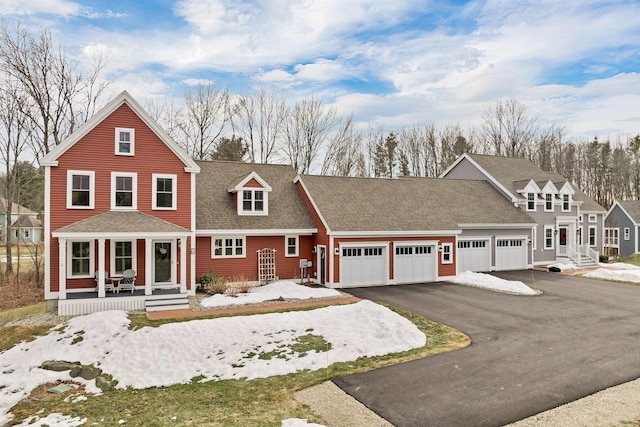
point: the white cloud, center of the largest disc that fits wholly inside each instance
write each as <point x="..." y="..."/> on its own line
<point x="30" y="7"/>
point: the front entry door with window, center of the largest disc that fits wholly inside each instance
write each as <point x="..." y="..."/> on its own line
<point x="562" y="244"/>
<point x="163" y="266"/>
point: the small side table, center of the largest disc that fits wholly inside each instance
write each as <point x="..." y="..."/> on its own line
<point x="116" y="284"/>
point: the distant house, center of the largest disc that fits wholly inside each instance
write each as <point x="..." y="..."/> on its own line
<point x="622" y="228"/>
<point x="570" y="225"/>
<point x="27" y="228"/>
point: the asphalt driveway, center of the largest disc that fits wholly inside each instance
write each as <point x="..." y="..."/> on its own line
<point x="528" y="354"/>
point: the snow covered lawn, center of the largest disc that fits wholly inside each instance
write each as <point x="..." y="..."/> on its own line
<point x="488" y="281"/>
<point x="249" y="347"/>
<point x="272" y="291"/>
<point x="617" y="271"/>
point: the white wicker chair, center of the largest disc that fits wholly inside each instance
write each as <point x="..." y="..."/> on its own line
<point x="108" y="285"/>
<point x="128" y="280"/>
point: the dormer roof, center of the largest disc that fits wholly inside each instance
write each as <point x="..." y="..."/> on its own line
<point x="245" y="181"/>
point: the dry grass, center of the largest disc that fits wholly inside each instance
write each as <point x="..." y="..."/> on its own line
<point x="19" y="290"/>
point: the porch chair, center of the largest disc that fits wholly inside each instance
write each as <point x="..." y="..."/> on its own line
<point x="128" y="280"/>
<point x="108" y="285"/>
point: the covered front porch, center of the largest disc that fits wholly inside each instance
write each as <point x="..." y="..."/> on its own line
<point x="95" y="253"/>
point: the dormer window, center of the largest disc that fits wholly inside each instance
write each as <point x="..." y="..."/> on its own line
<point x="566" y="203"/>
<point x="531" y="201"/>
<point x="125" y="141"/>
<point x="251" y="193"/>
<point x="548" y="202"/>
<point x="253" y="201"/>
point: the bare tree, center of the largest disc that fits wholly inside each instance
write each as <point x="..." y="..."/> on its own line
<point x="62" y="97"/>
<point x="205" y="116"/>
<point x="259" y="120"/>
<point x="508" y="128"/>
<point x="345" y="156"/>
<point x="307" y="127"/>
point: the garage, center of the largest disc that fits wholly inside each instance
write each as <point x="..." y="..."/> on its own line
<point x="362" y="266"/>
<point x="511" y="254"/>
<point x="474" y="255"/>
<point x="415" y="263"/>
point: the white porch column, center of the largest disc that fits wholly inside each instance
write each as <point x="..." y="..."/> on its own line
<point x="148" y="266"/>
<point x="101" y="268"/>
<point x="183" y="264"/>
<point x="62" y="268"/>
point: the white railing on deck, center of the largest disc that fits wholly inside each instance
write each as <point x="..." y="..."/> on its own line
<point x="574" y="255"/>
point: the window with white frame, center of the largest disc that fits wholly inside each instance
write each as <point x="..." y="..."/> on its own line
<point x="566" y="203"/>
<point x="593" y="218"/>
<point x="124" y="190"/>
<point x="627" y="233"/>
<point x="228" y="247"/>
<point x="580" y="232"/>
<point x="164" y="191"/>
<point x="122" y="256"/>
<point x="253" y="201"/>
<point x="291" y="243"/>
<point x="446" y="256"/>
<point x="80" y="259"/>
<point x="125" y="141"/>
<point x="548" y="237"/>
<point x="548" y="202"/>
<point x="615" y="237"/>
<point x="534" y="237"/>
<point x="531" y="201"/>
<point x="592" y="235"/>
<point x="80" y="189"/>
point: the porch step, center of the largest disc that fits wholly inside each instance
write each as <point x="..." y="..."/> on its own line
<point x="175" y="303"/>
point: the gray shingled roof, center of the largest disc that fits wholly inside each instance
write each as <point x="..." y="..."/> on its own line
<point x="216" y="209"/>
<point x="27" y="221"/>
<point x="122" y="222"/>
<point x="632" y="207"/>
<point x="511" y="171"/>
<point x="421" y="204"/>
<point x="15" y="208"/>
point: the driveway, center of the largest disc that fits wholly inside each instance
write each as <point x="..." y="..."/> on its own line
<point x="528" y="354"/>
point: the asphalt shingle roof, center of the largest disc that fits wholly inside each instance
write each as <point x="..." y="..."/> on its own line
<point x="632" y="207"/>
<point x="408" y="204"/>
<point x="510" y="172"/>
<point x="27" y="221"/>
<point x="15" y="208"/>
<point x="122" y="222"/>
<point x="216" y="208"/>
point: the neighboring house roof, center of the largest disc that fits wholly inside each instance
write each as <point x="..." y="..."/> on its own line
<point x="415" y="204"/>
<point x="27" y="221"/>
<point x="15" y="208"/>
<point x="216" y="208"/>
<point x="51" y="159"/>
<point x="510" y="172"/>
<point x="113" y="222"/>
<point x="632" y="208"/>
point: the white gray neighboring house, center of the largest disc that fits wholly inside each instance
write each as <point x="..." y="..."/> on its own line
<point x="25" y="225"/>
<point x="570" y="225"/>
<point x="622" y="225"/>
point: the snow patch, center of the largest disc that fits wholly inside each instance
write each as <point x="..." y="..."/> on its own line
<point x="487" y="281"/>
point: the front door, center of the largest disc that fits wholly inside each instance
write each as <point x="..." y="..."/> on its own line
<point x="562" y="244"/>
<point x="322" y="257"/>
<point x="163" y="265"/>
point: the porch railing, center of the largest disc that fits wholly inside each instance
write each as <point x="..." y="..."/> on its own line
<point x="576" y="255"/>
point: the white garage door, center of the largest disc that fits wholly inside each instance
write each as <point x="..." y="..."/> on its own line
<point x="363" y="266"/>
<point x="511" y="254"/>
<point x="414" y="264"/>
<point x="474" y="255"/>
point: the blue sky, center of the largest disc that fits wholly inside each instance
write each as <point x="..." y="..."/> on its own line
<point x="393" y="63"/>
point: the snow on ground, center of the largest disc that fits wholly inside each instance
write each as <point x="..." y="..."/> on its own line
<point x="564" y="267"/>
<point x="618" y="271"/>
<point x="54" y="419"/>
<point x="488" y="281"/>
<point x="223" y="348"/>
<point x="272" y="291"/>
<point x="299" y="422"/>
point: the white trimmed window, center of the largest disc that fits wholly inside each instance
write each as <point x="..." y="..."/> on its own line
<point x="125" y="142"/>
<point x="627" y="233"/>
<point x="253" y="201"/>
<point x="592" y="235"/>
<point x="531" y="201"/>
<point x="548" y="202"/>
<point x="446" y="256"/>
<point x="164" y="191"/>
<point x="228" y="247"/>
<point x="291" y="243"/>
<point x="124" y="190"/>
<point x="593" y="218"/>
<point x="123" y="256"/>
<point x="566" y="203"/>
<point x="548" y="237"/>
<point x="80" y="189"/>
<point x="80" y="259"/>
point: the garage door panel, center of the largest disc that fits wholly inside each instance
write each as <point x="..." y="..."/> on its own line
<point x="363" y="266"/>
<point x="511" y="254"/>
<point x="414" y="264"/>
<point x="474" y="255"/>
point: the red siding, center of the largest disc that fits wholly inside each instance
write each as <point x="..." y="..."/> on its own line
<point x="286" y="267"/>
<point x="443" y="269"/>
<point x="95" y="152"/>
<point x="253" y="183"/>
